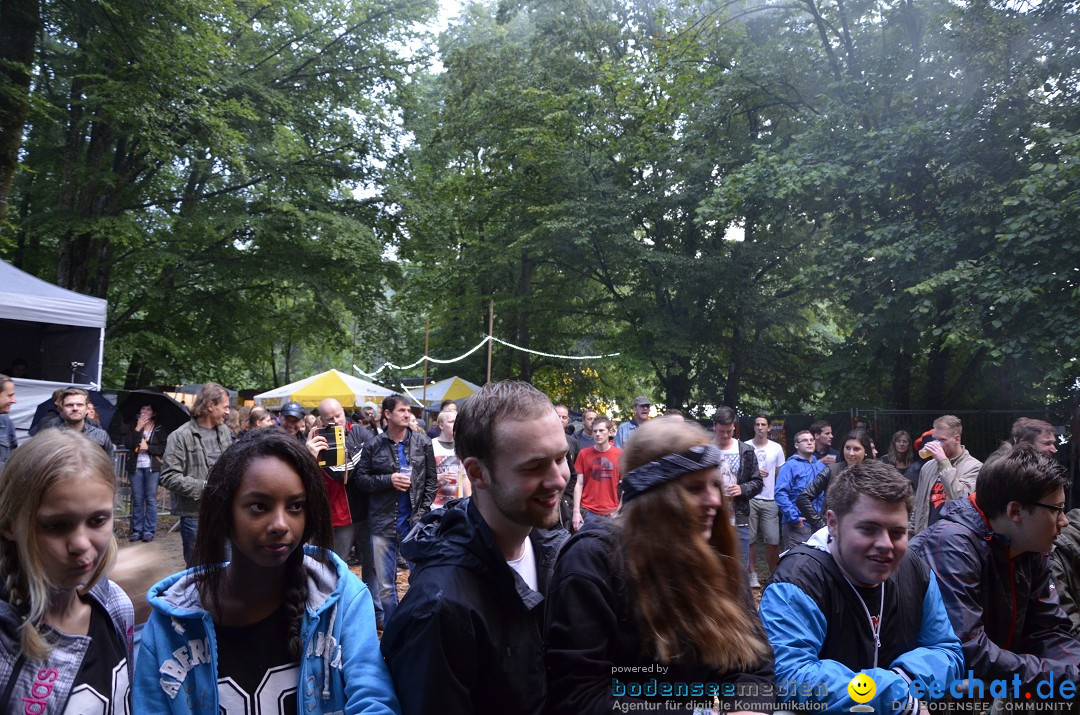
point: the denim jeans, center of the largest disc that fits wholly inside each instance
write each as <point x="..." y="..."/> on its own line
<point x="144" y="502"/>
<point x="743" y="531"/>
<point x="189" y="526"/>
<point x="587" y="517"/>
<point x="795" y="534"/>
<point x="385" y="553"/>
<point x="343" y="541"/>
<point x="362" y="544"/>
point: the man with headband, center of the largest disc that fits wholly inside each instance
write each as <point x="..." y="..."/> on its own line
<point x="852" y="600"/>
<point x="466" y="637"/>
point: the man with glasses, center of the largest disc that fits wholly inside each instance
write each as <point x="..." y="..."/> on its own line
<point x="798" y="471"/>
<point x="989" y="552"/>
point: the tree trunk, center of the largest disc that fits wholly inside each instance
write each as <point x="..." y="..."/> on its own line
<point x="736" y="367"/>
<point x="936" y="368"/>
<point x="901" y="379"/>
<point x="528" y="266"/>
<point x="20" y="23"/>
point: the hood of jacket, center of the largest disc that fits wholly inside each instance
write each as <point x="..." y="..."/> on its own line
<point x="965" y="513"/>
<point x="177" y="597"/>
<point x="458" y="536"/>
<point x="820" y="540"/>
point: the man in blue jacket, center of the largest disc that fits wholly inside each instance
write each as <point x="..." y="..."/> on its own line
<point x="852" y="601"/>
<point x="798" y="471"/>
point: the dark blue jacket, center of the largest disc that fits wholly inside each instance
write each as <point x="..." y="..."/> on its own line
<point x="467" y="635"/>
<point x="1004" y="610"/>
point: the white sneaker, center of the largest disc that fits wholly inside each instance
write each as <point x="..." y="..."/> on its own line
<point x="754" y="580"/>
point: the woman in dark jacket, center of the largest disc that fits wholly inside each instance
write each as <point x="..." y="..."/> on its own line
<point x="857" y="448"/>
<point x="900" y="453"/>
<point x="147" y="444"/>
<point x="653" y="605"/>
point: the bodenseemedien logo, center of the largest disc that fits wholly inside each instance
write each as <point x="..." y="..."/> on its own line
<point x="862" y="689"/>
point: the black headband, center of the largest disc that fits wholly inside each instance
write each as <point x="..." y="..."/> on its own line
<point x="668" y="468"/>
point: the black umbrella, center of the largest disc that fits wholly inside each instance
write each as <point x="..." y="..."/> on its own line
<point x="168" y="413"/>
<point x="46" y="411"/>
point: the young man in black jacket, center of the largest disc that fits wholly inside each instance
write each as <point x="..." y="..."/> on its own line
<point x="397" y="469"/>
<point x="467" y="636"/>
<point x="745" y="483"/>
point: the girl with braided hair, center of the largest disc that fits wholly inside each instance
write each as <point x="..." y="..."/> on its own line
<point x="284" y="627"/>
<point x="65" y="629"/>
<point x="653" y="605"/>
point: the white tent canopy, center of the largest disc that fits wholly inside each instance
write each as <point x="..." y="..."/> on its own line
<point x="60" y="333"/>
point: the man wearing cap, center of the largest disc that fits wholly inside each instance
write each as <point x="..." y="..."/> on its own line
<point x="640" y="416"/>
<point x="292" y="419"/>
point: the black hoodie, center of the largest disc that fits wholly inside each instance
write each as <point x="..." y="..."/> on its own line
<point x="467" y="636"/>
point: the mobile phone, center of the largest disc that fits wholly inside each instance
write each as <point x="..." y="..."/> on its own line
<point x="334" y="454"/>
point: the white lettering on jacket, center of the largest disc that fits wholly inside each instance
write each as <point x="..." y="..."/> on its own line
<point x="196" y="652"/>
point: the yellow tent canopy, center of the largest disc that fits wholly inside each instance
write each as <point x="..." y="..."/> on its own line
<point x="452" y="388"/>
<point x="348" y="390"/>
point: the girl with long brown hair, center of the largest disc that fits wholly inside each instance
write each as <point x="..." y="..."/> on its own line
<point x="660" y="587"/>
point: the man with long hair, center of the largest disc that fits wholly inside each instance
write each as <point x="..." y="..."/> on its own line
<point x="466" y="637"/>
<point x="191" y="450"/>
<point x="853" y="599"/>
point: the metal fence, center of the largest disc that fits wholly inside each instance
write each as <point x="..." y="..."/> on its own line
<point x="122" y="500"/>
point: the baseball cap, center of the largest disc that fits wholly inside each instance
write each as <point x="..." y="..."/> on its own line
<point x="642" y="400"/>
<point x="292" y="409"/>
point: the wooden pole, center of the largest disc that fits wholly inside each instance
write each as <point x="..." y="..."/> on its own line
<point x="427" y="339"/>
<point x="491" y="327"/>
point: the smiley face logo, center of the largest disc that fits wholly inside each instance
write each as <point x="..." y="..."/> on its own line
<point x="862" y="688"/>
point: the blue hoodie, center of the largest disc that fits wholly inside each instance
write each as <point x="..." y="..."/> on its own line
<point x="793" y="478"/>
<point x="341" y="669"/>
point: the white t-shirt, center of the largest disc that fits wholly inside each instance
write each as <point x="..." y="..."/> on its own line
<point x="770" y="458"/>
<point x="526" y="566"/>
<point x="730" y="464"/>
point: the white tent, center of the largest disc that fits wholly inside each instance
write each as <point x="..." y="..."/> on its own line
<point x="60" y="333"/>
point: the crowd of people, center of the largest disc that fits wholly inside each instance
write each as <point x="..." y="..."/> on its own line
<point x="551" y="569"/>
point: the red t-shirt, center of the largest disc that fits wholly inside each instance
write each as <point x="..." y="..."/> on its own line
<point x="600" y="479"/>
<point x="339" y="500"/>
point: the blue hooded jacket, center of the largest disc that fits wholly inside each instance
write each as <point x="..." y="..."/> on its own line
<point x="822" y="636"/>
<point x="341" y="668"/>
<point x="793" y="478"/>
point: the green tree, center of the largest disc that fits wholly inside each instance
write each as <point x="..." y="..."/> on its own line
<point x="206" y="181"/>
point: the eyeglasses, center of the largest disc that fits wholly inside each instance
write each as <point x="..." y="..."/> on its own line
<point x="1058" y="510"/>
